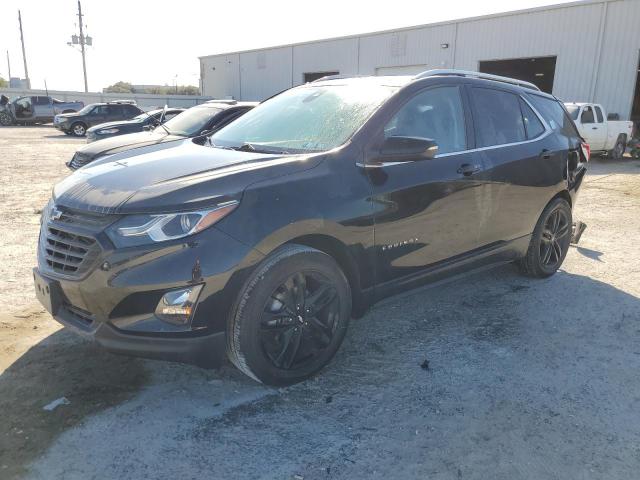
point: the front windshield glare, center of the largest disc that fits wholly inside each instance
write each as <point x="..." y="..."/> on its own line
<point x="305" y="119"/>
<point x="191" y="121"/>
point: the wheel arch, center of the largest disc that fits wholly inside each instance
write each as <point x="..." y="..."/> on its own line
<point x="340" y="253"/>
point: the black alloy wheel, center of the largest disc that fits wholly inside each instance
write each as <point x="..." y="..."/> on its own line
<point x="299" y="320"/>
<point x="550" y="241"/>
<point x="556" y="229"/>
<point x="290" y="317"/>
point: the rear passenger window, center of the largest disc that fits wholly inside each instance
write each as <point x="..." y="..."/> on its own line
<point x="554" y="114"/>
<point x="532" y="123"/>
<point x="498" y="118"/>
<point x="436" y="114"/>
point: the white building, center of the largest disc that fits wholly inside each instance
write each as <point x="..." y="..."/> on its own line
<point x="582" y="51"/>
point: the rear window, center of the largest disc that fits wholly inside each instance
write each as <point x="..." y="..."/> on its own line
<point x="554" y="114"/>
<point x="532" y="123"/>
<point x="499" y="118"/>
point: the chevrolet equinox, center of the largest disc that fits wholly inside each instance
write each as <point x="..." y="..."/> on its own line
<point x="261" y="243"/>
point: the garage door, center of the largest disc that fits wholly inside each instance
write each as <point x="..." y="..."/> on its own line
<point x="403" y="70"/>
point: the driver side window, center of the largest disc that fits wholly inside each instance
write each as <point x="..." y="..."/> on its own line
<point x="436" y="114"/>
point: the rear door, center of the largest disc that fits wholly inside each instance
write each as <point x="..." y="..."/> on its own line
<point x="115" y="112"/>
<point x="426" y="211"/>
<point x="510" y="140"/>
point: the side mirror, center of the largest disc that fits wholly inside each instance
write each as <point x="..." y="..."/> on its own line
<point x="401" y="149"/>
<point x="147" y="128"/>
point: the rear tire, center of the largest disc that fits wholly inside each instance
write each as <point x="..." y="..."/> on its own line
<point x="290" y="317"/>
<point x="550" y="241"/>
<point x="79" y="129"/>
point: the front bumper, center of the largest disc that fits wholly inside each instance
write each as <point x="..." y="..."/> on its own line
<point x="113" y="302"/>
<point x="62" y="126"/>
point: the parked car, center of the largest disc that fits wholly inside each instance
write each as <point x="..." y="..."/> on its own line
<point x="34" y="109"/>
<point x="94" y="114"/>
<point x="603" y="135"/>
<point x="197" y="121"/>
<point x="298" y="215"/>
<point x="142" y="122"/>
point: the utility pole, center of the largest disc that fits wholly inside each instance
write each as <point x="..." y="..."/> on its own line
<point x="82" y="42"/>
<point x="24" y="55"/>
<point x="9" y="67"/>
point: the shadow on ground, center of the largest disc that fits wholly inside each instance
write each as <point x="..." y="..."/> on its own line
<point x="542" y="373"/>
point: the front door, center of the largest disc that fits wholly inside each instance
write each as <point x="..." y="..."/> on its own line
<point x="24" y="108"/>
<point x="425" y="211"/>
<point x="593" y="132"/>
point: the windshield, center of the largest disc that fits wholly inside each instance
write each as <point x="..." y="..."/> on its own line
<point x="144" y="116"/>
<point x="305" y="119"/>
<point x="191" y="121"/>
<point x="573" y="111"/>
<point x="86" y="109"/>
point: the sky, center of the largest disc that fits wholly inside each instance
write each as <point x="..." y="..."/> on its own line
<point x="158" y="41"/>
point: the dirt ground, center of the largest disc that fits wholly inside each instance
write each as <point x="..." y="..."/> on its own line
<point x="525" y="379"/>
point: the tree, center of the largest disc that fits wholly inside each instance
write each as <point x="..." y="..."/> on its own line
<point x="3" y="83"/>
<point x="119" y="87"/>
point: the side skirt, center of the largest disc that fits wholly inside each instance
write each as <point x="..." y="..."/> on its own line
<point x="455" y="267"/>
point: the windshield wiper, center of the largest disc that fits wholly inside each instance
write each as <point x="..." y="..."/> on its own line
<point x="246" y="147"/>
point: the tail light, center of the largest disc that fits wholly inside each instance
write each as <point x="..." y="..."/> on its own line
<point x="586" y="151"/>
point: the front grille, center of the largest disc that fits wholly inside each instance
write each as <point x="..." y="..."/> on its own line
<point x="68" y="253"/>
<point x="79" y="160"/>
<point x="68" y="246"/>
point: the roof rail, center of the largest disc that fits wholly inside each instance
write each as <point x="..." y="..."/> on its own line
<point x="121" y="102"/>
<point x="484" y="76"/>
<point x="336" y="77"/>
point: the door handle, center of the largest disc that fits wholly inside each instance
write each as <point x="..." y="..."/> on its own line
<point x="467" y="169"/>
<point x="545" y="154"/>
<point x="594" y="128"/>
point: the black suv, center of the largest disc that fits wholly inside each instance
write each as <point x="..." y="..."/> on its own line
<point x="77" y="123"/>
<point x="262" y="244"/>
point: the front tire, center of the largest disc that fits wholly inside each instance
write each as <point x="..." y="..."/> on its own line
<point x="5" y="119"/>
<point x="550" y="241"/>
<point x="79" y="129"/>
<point x="290" y="317"/>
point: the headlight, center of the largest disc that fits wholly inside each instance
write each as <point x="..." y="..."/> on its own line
<point x="108" y="131"/>
<point x="135" y="230"/>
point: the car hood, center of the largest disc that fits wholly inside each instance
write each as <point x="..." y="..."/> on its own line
<point x="68" y="115"/>
<point x="173" y="176"/>
<point x="120" y="123"/>
<point x="120" y="143"/>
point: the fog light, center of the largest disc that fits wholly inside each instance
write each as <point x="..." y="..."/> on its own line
<point x="177" y="306"/>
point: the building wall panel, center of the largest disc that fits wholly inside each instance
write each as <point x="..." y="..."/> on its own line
<point x="421" y="46"/>
<point x="618" y="64"/>
<point x="265" y="72"/>
<point x="326" y="56"/>
<point x="559" y="32"/>
<point x="221" y="76"/>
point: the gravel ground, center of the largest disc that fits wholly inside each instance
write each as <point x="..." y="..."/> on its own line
<point x="525" y="379"/>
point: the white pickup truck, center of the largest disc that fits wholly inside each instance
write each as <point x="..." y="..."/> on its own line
<point x="603" y="136"/>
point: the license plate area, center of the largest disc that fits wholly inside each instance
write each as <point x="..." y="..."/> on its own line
<point x="47" y="292"/>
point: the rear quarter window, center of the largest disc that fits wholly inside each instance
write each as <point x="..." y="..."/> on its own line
<point x="554" y="114"/>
